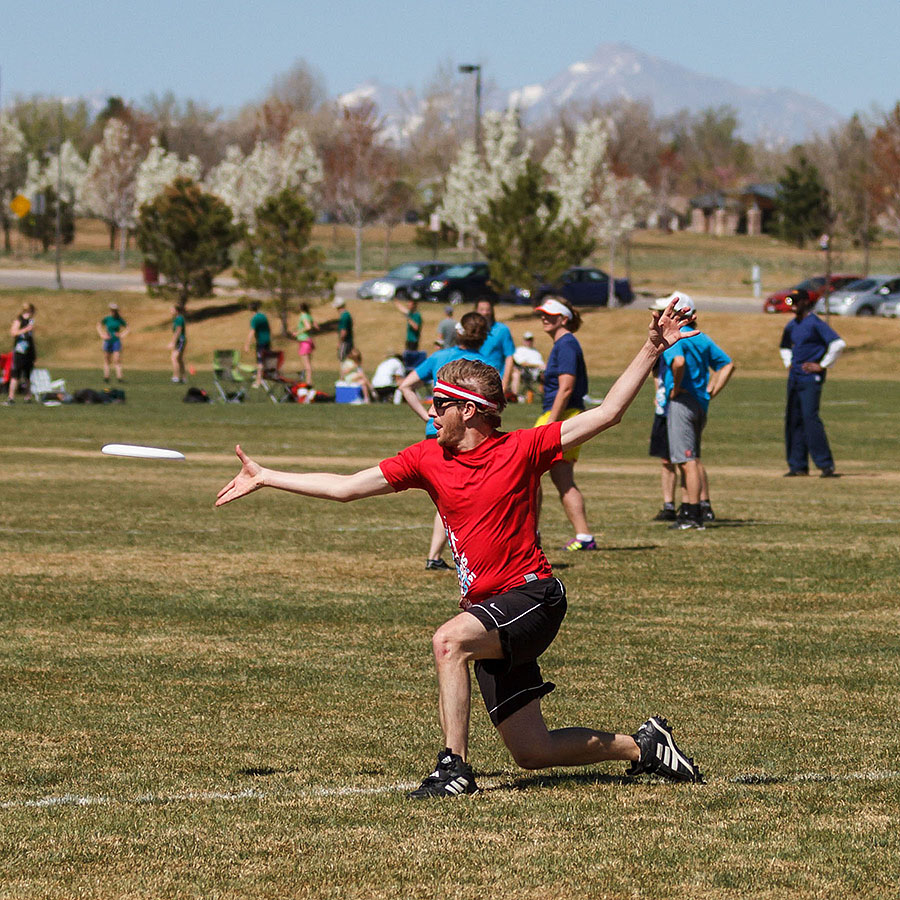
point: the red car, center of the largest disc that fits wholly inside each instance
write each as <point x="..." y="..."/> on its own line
<point x="779" y="303"/>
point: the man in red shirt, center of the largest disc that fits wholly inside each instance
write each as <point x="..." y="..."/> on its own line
<point x="484" y="483"/>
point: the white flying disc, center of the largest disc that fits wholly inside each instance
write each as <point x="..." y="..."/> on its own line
<point x="140" y="452"/>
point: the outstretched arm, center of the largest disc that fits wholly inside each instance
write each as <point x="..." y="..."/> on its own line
<point x="367" y="483"/>
<point x="665" y="330"/>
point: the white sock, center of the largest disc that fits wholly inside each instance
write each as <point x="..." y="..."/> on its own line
<point x="584" y="538"/>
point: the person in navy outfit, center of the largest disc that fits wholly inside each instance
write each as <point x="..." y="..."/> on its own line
<point x="809" y="347"/>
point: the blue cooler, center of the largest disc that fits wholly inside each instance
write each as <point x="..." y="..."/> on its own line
<point x="347" y="393"/>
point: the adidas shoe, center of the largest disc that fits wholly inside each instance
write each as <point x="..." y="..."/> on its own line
<point x="665" y="515"/>
<point x="660" y="754"/>
<point x="451" y="778"/>
<point x="436" y="564"/>
<point x="575" y="544"/>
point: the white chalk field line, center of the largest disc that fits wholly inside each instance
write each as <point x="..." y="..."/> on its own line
<point x="758" y="779"/>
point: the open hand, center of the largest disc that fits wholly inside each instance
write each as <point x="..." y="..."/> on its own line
<point x="245" y="482"/>
<point x="665" y="328"/>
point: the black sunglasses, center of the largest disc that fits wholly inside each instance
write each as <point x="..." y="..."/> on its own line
<point x="441" y="403"/>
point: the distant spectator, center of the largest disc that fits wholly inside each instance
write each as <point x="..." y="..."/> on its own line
<point x="409" y="308"/>
<point x="24" y="353"/>
<point x="447" y="328"/>
<point x="809" y="347"/>
<point x="352" y="373"/>
<point x="499" y="347"/>
<point x="387" y="378"/>
<point x="528" y="364"/>
<point x="112" y="328"/>
<point x="305" y="344"/>
<point x="177" y="344"/>
<point x="262" y="334"/>
<point x="344" y="329"/>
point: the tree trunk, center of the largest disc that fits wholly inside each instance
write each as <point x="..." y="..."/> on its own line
<point x="387" y="247"/>
<point x="7" y="242"/>
<point x="611" y="285"/>
<point x="112" y="236"/>
<point x="358" y="227"/>
<point x="123" y="232"/>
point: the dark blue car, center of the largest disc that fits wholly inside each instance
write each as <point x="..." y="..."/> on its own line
<point x="581" y="286"/>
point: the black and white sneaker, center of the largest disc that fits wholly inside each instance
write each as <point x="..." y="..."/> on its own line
<point x="660" y="754"/>
<point x="666" y="514"/>
<point x="438" y="563"/>
<point x="451" y="778"/>
<point x="706" y="512"/>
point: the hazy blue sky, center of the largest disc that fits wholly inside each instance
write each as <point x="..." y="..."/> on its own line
<point x="226" y="53"/>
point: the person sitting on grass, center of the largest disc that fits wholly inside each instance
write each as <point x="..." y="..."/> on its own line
<point x="483" y="482"/>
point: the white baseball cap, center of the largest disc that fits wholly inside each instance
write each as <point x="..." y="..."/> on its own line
<point x="527" y="336"/>
<point x="683" y="302"/>
<point x="338" y="302"/>
<point x="554" y="308"/>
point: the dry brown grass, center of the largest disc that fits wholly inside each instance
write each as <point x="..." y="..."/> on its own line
<point x="66" y="334"/>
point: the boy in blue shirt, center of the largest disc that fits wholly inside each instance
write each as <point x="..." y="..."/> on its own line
<point x="689" y="387"/>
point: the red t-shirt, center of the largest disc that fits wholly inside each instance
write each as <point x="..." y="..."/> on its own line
<point x="486" y="498"/>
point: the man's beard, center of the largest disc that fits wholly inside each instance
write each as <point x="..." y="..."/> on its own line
<point x="451" y="434"/>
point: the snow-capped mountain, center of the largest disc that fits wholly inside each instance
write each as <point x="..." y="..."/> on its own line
<point x="776" y="116"/>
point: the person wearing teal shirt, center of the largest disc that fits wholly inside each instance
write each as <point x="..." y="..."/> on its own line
<point x="413" y="323"/>
<point x="112" y="328"/>
<point x="177" y="344"/>
<point x="262" y="334"/>
<point x="344" y="330"/>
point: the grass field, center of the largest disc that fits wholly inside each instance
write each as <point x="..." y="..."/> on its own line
<point x="202" y="703"/>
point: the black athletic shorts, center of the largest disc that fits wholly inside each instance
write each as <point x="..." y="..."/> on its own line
<point x="527" y="619"/>
<point x="659" y="437"/>
<point x="22" y="366"/>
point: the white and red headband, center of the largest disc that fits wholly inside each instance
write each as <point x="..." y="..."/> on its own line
<point x="462" y="394"/>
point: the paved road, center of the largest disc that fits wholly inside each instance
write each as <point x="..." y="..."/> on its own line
<point x="132" y="281"/>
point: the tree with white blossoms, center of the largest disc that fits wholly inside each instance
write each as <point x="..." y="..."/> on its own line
<point x="12" y="172"/>
<point x="109" y="185"/>
<point x="246" y="182"/>
<point x="44" y="174"/>
<point x="589" y="189"/>
<point x="472" y="181"/>
<point x="159" y="169"/>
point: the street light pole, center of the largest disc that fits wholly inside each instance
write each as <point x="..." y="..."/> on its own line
<point x="468" y="69"/>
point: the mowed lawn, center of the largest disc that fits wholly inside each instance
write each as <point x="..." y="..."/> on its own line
<point x="228" y="703"/>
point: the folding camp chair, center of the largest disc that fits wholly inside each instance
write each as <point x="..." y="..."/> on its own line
<point x="276" y="386"/>
<point x="42" y="384"/>
<point x="231" y="375"/>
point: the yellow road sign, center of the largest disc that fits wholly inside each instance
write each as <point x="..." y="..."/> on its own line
<point x="20" y="205"/>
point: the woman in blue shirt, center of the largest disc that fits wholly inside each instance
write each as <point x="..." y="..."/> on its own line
<point x="471" y="332"/>
<point x="565" y="385"/>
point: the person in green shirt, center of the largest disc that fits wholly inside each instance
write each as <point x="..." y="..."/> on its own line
<point x="344" y="330"/>
<point x="262" y="334"/>
<point x="176" y="345"/>
<point x="112" y="328"/>
<point x="413" y="322"/>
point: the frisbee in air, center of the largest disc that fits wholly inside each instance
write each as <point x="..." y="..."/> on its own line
<point x="134" y="450"/>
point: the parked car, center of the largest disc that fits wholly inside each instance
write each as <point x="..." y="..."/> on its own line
<point x="397" y="282"/>
<point x="890" y="308"/>
<point x="780" y="303"/>
<point x="465" y="281"/>
<point x="862" y="297"/>
<point x="581" y="286"/>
